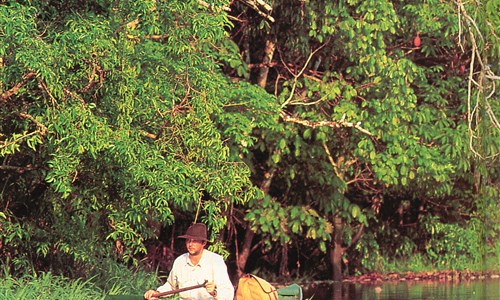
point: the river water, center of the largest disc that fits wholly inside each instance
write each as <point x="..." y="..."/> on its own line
<point x="406" y="290"/>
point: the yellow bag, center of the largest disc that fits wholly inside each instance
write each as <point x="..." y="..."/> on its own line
<point x="251" y="287"/>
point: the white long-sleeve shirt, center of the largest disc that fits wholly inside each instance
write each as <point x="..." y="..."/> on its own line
<point x="211" y="267"/>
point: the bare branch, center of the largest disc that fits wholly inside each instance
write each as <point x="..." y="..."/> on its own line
<point x="148" y="134"/>
<point x="332" y="124"/>
<point x="16" y="168"/>
<point x="358" y="235"/>
<point x="95" y="70"/>
<point x="348" y="163"/>
<point x="332" y="161"/>
<point x="156" y="37"/>
<point x="260" y="7"/>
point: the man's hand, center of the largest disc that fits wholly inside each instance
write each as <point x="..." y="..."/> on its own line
<point x="150" y="295"/>
<point x="211" y="288"/>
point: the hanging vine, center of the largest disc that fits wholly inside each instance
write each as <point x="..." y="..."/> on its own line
<point x="482" y="78"/>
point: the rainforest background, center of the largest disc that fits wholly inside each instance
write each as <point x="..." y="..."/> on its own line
<point x="316" y="139"/>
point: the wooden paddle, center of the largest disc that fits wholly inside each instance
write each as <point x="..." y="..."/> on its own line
<point x="163" y="294"/>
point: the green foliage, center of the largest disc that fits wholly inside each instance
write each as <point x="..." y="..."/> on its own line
<point x="246" y="109"/>
<point x="117" y="279"/>
<point x="453" y="246"/>
<point x="108" y="115"/>
<point x="119" y="118"/>
<point x="47" y="286"/>
<point x="370" y="257"/>
<point x="280" y="224"/>
<point x="374" y="105"/>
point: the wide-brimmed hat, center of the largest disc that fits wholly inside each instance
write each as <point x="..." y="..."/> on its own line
<point x="196" y="231"/>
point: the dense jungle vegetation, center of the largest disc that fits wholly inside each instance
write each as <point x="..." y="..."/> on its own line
<point x="316" y="139"/>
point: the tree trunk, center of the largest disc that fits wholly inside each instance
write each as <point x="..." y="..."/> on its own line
<point x="242" y="258"/>
<point x="268" y="58"/>
<point x="336" y="251"/>
<point x="243" y="255"/>
<point x="283" y="271"/>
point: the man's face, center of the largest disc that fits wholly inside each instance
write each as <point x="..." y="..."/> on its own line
<point x="194" y="247"/>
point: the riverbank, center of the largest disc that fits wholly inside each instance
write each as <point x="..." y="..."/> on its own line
<point x="422" y="286"/>
<point x="450" y="275"/>
<point x="377" y="278"/>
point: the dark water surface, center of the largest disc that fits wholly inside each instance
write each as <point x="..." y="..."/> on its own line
<point x="406" y="290"/>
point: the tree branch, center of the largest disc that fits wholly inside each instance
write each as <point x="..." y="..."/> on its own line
<point x="358" y="235"/>
<point x="95" y="70"/>
<point x="333" y="124"/>
<point x="17" y="169"/>
<point x="42" y="129"/>
<point x="260" y="7"/>
<point x="148" y="134"/>
<point x="296" y="76"/>
<point x="5" y="96"/>
<point x="332" y="162"/>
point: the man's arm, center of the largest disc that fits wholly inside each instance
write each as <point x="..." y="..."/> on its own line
<point x="168" y="286"/>
<point x="151" y="294"/>
<point x="224" y="288"/>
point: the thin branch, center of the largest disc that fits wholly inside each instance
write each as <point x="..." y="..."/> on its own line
<point x="332" y="161"/>
<point x="46" y="89"/>
<point x="5" y="145"/>
<point x="296" y="76"/>
<point x="96" y="69"/>
<point x="359" y="179"/>
<point x="5" y="96"/>
<point x="16" y="168"/>
<point x="156" y="37"/>
<point x="358" y="235"/>
<point x="332" y="124"/>
<point x="148" y="134"/>
<point x="75" y="95"/>
<point x="42" y="128"/>
<point x="335" y="168"/>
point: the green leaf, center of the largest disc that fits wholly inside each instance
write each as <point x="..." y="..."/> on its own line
<point x="355" y="211"/>
<point x="276" y="157"/>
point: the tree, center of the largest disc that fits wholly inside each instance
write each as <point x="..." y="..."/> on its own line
<point x="374" y="115"/>
<point x="308" y="130"/>
<point x="108" y="130"/>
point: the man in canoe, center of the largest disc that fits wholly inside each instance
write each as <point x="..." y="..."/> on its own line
<point x="195" y="267"/>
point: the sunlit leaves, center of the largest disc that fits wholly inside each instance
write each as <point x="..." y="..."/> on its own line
<point x="133" y="99"/>
<point x="281" y="224"/>
<point x="368" y="71"/>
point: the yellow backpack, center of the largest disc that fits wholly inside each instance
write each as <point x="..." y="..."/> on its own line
<point x="251" y="287"/>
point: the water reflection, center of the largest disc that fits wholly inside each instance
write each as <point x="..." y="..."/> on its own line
<point x="406" y="290"/>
